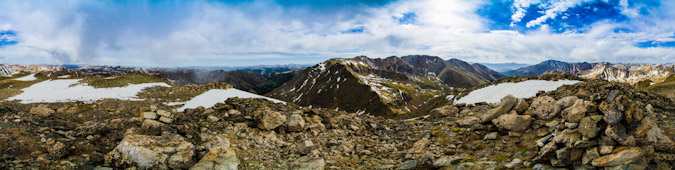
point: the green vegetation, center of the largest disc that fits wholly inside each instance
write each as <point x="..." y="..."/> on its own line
<point x="121" y="81"/>
<point x="665" y="88"/>
<point x="10" y="87"/>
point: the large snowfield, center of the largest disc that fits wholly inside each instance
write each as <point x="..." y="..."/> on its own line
<point x="525" y="89"/>
<point x="212" y="97"/>
<point x="68" y="90"/>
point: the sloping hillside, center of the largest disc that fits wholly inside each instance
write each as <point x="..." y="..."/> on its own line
<point x="393" y="86"/>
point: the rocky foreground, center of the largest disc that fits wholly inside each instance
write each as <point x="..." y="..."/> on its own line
<point x="589" y="125"/>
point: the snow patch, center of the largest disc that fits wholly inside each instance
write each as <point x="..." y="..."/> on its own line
<point x="67" y="90"/>
<point x="63" y="76"/>
<point x="525" y="89"/>
<point x="214" y="96"/>
<point x="30" y="77"/>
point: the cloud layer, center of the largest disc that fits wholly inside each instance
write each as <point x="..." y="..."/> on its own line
<point x="267" y="32"/>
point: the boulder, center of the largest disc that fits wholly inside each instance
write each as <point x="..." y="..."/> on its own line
<point x="578" y="111"/>
<point x="220" y="156"/>
<point x="468" y="121"/>
<point x="622" y="157"/>
<point x="152" y="125"/>
<point x="296" y="123"/>
<point x="504" y="106"/>
<point x="618" y="133"/>
<point x="169" y="151"/>
<point x="612" y="112"/>
<point x="588" y="126"/>
<point x="566" y="102"/>
<point x="443" y="111"/>
<point x="42" y="110"/>
<point x="271" y="120"/>
<point x="521" y="106"/>
<point x="544" y="107"/>
<point x="513" y="121"/>
<point x="149" y="115"/>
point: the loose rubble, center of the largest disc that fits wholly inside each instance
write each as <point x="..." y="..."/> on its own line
<point x="589" y="125"/>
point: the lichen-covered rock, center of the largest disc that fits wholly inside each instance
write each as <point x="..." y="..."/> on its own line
<point x="622" y="157"/>
<point x="57" y="149"/>
<point x="296" y="123"/>
<point x="271" y="120"/>
<point x="505" y="105"/>
<point x="513" y="121"/>
<point x="619" y="134"/>
<point x="468" y="121"/>
<point x="169" y="151"/>
<point x="521" y="106"/>
<point x="42" y="110"/>
<point x="543" y="107"/>
<point x="443" y="111"/>
<point x="612" y="112"/>
<point x="588" y="127"/>
<point x="578" y="111"/>
<point x="566" y="102"/>
<point x="307" y="163"/>
<point x="222" y="157"/>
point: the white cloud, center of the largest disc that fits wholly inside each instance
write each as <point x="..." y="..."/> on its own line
<point x="211" y="33"/>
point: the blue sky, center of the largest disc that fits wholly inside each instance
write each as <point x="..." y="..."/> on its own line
<point x="244" y="32"/>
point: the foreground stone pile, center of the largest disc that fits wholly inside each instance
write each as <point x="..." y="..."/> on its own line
<point x="590" y="125"/>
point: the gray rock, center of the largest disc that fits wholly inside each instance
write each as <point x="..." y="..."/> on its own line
<point x="169" y="151"/>
<point x="296" y="123"/>
<point x="504" y="106"/>
<point x="514" y="163"/>
<point x="513" y="121"/>
<point x="446" y="161"/>
<point x="220" y="156"/>
<point x="490" y="136"/>
<point x="589" y="126"/>
<point x="468" y="121"/>
<point x="409" y="164"/>
<point x="163" y="113"/>
<point x="578" y="111"/>
<point x="42" y="110"/>
<point x="212" y="118"/>
<point x="589" y="155"/>
<point x="618" y="133"/>
<point x="164" y="119"/>
<point x="271" y="120"/>
<point x="543" y="107"/>
<point x="443" y="111"/>
<point x="149" y="115"/>
<point x="606" y="149"/>
<point x="521" y="106"/>
<point x="566" y="102"/>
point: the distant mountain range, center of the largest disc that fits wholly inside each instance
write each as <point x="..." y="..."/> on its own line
<point x="503" y="67"/>
<point x="391" y="87"/>
<point x="536" y="69"/>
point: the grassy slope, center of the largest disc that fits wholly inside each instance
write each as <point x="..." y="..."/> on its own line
<point x="10" y="87"/>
